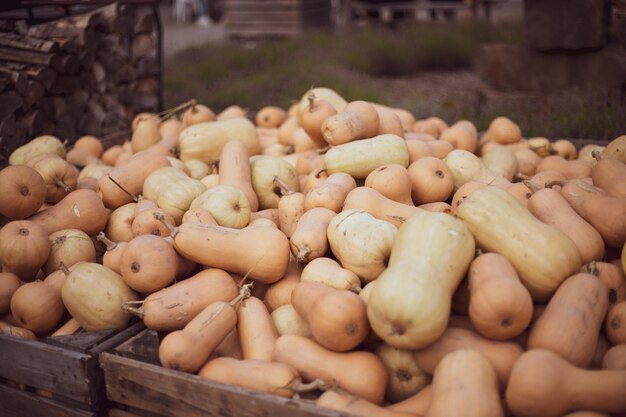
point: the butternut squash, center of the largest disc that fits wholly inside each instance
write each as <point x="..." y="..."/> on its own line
<point x="361" y="157"/>
<point x="527" y="161"/>
<point x="504" y="131"/>
<point x="235" y="250"/>
<point x="465" y="384"/>
<point x="550" y="207"/>
<point x="309" y="240"/>
<point x="279" y="293"/>
<point x="388" y="121"/>
<point x="466" y="167"/>
<point x="112" y="258"/>
<point x="615" y="358"/>
<point x="262" y="376"/>
<point x="287" y="321"/>
<point x="188" y="349"/>
<point x="235" y="170"/>
<point x="406" y="378"/>
<point x="392" y="181"/>
<point x="502" y="161"/>
<point x="24" y="248"/>
<point x="144" y="223"/>
<point x="232" y="112"/>
<point x="228" y="205"/>
<point x="148" y="264"/>
<point x="204" y="141"/>
<point x="369" y="200"/>
<point x="616" y="149"/>
<point x="9" y="282"/>
<point x="610" y="175"/>
<point x="581" y="302"/>
<point x="94" y="295"/>
<point x="337" y="318"/>
<point x="145" y="134"/>
<point x="290" y="209"/>
<point x="125" y="182"/>
<point x="431" y="180"/>
<point x="40" y="145"/>
<point x="69" y="246"/>
<point x="409" y="306"/>
<point x="358" y="120"/>
<point x="263" y="170"/>
<point x="59" y="176"/>
<point x="502" y="355"/>
<point x="312" y="117"/>
<point x="22" y="192"/>
<point x="460" y="138"/>
<point x="257" y="334"/>
<point x="81" y="209"/>
<point x="355" y="405"/>
<point x="542" y="384"/>
<point x="615" y="326"/>
<point x="361" y="243"/>
<point x="417" y="404"/>
<point x="542" y="255"/>
<point x="119" y="227"/>
<point x="603" y="212"/>
<point x="361" y="373"/>
<point x="500" y="306"/>
<point x="565" y="149"/>
<point x="329" y="272"/>
<point x="196" y="215"/>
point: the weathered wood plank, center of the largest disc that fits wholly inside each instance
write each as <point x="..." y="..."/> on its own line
<point x="18" y="403"/>
<point x="143" y="347"/>
<point x="46" y="367"/>
<point x="176" y="394"/>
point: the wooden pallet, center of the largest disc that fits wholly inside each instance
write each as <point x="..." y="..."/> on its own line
<point x="66" y="367"/>
<point x="274" y="18"/>
<point x="141" y="387"/>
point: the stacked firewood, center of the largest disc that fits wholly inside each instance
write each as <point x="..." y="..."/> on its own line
<point x="83" y="74"/>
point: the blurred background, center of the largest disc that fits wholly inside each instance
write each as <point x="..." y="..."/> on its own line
<point x="558" y="68"/>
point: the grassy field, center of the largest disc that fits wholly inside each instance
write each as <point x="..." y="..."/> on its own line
<point x="427" y="69"/>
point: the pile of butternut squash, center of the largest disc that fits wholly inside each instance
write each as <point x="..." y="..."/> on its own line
<point x="383" y="265"/>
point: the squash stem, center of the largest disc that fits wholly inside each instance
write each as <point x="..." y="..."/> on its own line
<point x="285" y="189"/>
<point x="136" y="311"/>
<point x="107" y="242"/>
<point x="68" y="328"/>
<point x="298" y="386"/>
<point x="59" y="183"/>
<point x="592" y="268"/>
<point x="244" y="292"/>
<point x="521" y="177"/>
<point x="303" y="252"/>
<point x="596" y="155"/>
<point x="135" y="198"/>
<point x="311" y="97"/>
<point x="166" y="114"/>
<point x="322" y="151"/>
<point x="356" y="289"/>
<point x="551" y="184"/>
<point x="64" y="269"/>
<point x="173" y="230"/>
<point x="531" y="186"/>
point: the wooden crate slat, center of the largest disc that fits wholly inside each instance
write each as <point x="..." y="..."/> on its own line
<point x="51" y="368"/>
<point x="18" y="403"/>
<point x="177" y="394"/>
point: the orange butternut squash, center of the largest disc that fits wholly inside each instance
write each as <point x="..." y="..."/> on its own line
<point x="59" y="176"/>
<point x="581" y="302"/>
<point x="465" y="384"/>
<point x="22" y="192"/>
<point x="9" y="282"/>
<point x="355" y="405"/>
<point x="406" y="378"/>
<point x="460" y="138"/>
<point x="24" y="248"/>
<point x="610" y="175"/>
<point x="148" y="264"/>
<point x="270" y="116"/>
<point x="615" y="358"/>
<point x="358" y="120"/>
<point x="235" y="170"/>
<point x="361" y="373"/>
<point x="313" y="116"/>
<point x="550" y="207"/>
<point x="287" y="321"/>
<point x="37" y="306"/>
<point x="417" y="404"/>
<point x="81" y="209"/>
<point x="500" y="306"/>
<point x="504" y="131"/>
<point x="119" y="226"/>
<point x="615" y="326"/>
<point x="329" y="272"/>
<point x="279" y="293"/>
<point x="616" y="149"/>
<point x="502" y="355"/>
<point x="392" y="181"/>
<point x="337" y="318"/>
<point x="112" y="258"/>
<point x="68" y="247"/>
<point x="543" y="384"/>
<point x="379" y="206"/>
<point x="198" y="113"/>
<point x="309" y="240"/>
<point x="431" y="180"/>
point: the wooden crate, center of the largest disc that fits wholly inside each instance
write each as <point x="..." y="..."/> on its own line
<point x="140" y="386"/>
<point x="66" y="366"/>
<point x="274" y="18"/>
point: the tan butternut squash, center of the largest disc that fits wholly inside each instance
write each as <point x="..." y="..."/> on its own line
<point x="565" y="149"/>
<point x="610" y="175"/>
<point x="312" y="117"/>
<point x="542" y="384"/>
<point x="542" y="255"/>
<point x="228" y="205"/>
<point x="615" y="358"/>
<point x="235" y="170"/>
<point x="256" y="330"/>
<point x="145" y="223"/>
<point x="69" y="246"/>
<point x="466" y="167"/>
<point x="500" y="306"/>
<point x="119" y="226"/>
<point x="37" y="306"/>
<point x="361" y="157"/>
<point x="148" y="264"/>
<point x="204" y="141"/>
<point x="287" y="321"/>
<point x="198" y="113"/>
<point x="40" y="145"/>
<point x="235" y="250"/>
<point x="279" y="293"/>
<point x="465" y="384"/>
<point x="502" y="355"/>
<point x="337" y="318"/>
<point x="329" y="272"/>
<point x="361" y="242"/>
<point x="550" y="207"/>
<point x="603" y="212"/>
<point x="417" y="404"/>
<point x="369" y="200"/>
<point x="358" y="120"/>
<point x="112" y="258"/>
<point x="145" y="134"/>
<point x="286" y="130"/>
<point x="270" y="214"/>
<point x="232" y="112"/>
<point x="59" y="176"/>
<point x="81" y="209"/>
<point x="388" y="121"/>
<point x="197" y="215"/>
<point x="527" y="161"/>
<point x="581" y="302"/>
<point x="612" y="277"/>
<point x="355" y="405"/>
<point x="361" y="373"/>
<point x="460" y="138"/>
<point x="616" y="149"/>
<point x="24" y="248"/>
<point x="504" y="131"/>
<point x="22" y="192"/>
<point x="502" y="161"/>
<point x="15" y="331"/>
<point x="263" y="170"/>
<point x="309" y="240"/>
<point x="409" y="306"/>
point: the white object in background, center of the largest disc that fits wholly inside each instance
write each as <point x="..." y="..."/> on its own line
<point x="180" y="9"/>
